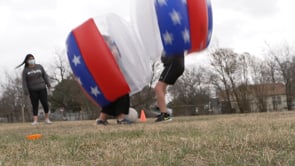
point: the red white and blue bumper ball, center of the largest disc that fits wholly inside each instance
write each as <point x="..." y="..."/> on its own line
<point x="184" y="24"/>
<point x="174" y="25"/>
<point x="94" y="65"/>
<point x="181" y="25"/>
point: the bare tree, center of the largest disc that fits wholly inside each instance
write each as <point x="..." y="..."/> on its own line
<point x="224" y="65"/>
<point x="191" y="91"/>
<point x="261" y="75"/>
<point x="272" y="70"/>
<point x="60" y="68"/>
<point x="13" y="104"/>
<point x="230" y="74"/>
<point x="283" y="59"/>
<point x="243" y="91"/>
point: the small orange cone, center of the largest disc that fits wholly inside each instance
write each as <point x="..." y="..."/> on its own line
<point x="34" y="136"/>
<point x="142" y="116"/>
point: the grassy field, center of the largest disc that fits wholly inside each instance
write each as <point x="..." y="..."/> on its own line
<point x="241" y="139"/>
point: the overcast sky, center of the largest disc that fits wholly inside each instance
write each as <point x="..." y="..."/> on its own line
<point x="40" y="27"/>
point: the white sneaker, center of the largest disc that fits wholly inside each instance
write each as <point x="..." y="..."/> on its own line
<point x="35" y="123"/>
<point x="47" y="121"/>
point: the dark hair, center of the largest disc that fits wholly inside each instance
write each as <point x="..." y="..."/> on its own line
<point x="25" y="61"/>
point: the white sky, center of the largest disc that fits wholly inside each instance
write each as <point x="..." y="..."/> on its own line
<point x="40" y="27"/>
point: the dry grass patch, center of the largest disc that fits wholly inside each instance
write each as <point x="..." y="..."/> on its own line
<point x="242" y="139"/>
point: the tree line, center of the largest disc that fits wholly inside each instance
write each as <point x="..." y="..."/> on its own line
<point x="228" y="75"/>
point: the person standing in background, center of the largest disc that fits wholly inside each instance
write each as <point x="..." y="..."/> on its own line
<point x="35" y="81"/>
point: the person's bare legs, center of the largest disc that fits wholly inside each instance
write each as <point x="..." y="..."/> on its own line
<point x="35" y="118"/>
<point x="47" y="120"/>
<point x="35" y="122"/>
<point x="102" y="120"/>
<point x="103" y="116"/>
<point x="121" y="117"/>
<point x="160" y="90"/>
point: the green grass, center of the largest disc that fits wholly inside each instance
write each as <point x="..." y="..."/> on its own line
<point x="241" y="139"/>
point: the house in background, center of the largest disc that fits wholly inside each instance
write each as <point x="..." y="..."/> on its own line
<point x="274" y="96"/>
<point x="257" y="98"/>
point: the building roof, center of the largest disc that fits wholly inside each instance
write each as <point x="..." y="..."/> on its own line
<point x="270" y="89"/>
<point x="260" y="89"/>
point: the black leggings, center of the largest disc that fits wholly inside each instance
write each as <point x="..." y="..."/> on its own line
<point x="117" y="107"/>
<point x="35" y="96"/>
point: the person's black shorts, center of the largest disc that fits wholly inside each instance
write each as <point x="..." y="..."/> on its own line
<point x="117" y="107"/>
<point x="173" y="68"/>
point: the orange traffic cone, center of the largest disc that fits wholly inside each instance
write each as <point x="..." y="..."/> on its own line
<point x="142" y="116"/>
